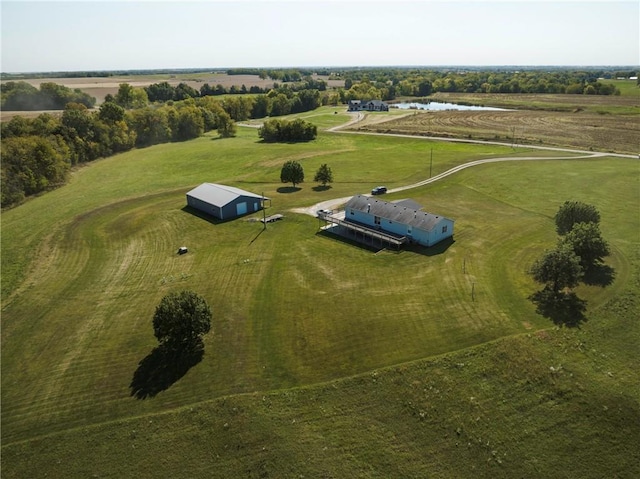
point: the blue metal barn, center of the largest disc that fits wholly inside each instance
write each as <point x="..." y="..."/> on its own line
<point x="224" y="202"/>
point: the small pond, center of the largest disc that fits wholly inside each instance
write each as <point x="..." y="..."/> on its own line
<point x="439" y="106"/>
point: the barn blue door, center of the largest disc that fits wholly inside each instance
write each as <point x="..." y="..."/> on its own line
<point x="241" y="208"/>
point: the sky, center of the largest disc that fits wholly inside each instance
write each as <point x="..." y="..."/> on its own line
<point x="50" y="36"/>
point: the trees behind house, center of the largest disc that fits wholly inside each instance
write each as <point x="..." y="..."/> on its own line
<point x="292" y="172"/>
<point x="181" y="319"/>
<point x="324" y="175"/>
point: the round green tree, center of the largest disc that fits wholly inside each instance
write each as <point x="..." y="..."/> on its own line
<point x="292" y="172"/>
<point x="558" y="269"/>
<point x="587" y="243"/>
<point x="181" y="319"/>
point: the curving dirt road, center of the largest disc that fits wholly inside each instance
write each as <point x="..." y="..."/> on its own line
<point x="335" y="203"/>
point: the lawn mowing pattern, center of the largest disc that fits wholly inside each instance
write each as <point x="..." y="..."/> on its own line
<point x="279" y="311"/>
<point x="280" y="317"/>
<point x="557" y="403"/>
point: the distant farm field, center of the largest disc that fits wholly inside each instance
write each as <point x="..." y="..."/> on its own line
<point x="586" y="122"/>
<point x="326" y="359"/>
<point x="585" y="131"/>
<point x="99" y="87"/>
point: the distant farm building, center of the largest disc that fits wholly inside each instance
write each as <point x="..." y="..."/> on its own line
<point x="370" y="105"/>
<point x="391" y="223"/>
<point x="224" y="202"/>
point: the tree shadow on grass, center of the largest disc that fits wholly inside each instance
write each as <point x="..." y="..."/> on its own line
<point x="321" y="188"/>
<point x="288" y="189"/>
<point x="163" y="367"/>
<point x="599" y="275"/>
<point x="564" y="309"/>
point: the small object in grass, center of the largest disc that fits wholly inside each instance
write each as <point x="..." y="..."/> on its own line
<point x="182" y="250"/>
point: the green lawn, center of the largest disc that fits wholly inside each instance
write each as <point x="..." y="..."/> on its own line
<point x="366" y="340"/>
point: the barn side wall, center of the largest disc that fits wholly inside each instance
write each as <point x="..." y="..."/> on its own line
<point x="205" y="207"/>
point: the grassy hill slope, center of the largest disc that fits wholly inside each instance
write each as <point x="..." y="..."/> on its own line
<point x="315" y="365"/>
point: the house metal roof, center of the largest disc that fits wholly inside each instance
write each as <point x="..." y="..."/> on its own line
<point x="395" y="212"/>
<point x="219" y="195"/>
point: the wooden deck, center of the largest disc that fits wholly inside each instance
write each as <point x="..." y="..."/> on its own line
<point x="364" y="231"/>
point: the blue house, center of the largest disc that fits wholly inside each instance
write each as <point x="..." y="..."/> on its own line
<point x="224" y="202"/>
<point x="367" y="105"/>
<point x="402" y="220"/>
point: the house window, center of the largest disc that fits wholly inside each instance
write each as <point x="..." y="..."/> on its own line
<point x="376" y="220"/>
<point x="444" y="229"/>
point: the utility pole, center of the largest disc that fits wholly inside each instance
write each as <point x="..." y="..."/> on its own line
<point x="264" y="213"/>
<point x="431" y="163"/>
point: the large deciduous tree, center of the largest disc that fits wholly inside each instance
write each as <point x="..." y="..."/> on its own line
<point x="181" y="319"/>
<point x="558" y="269"/>
<point x="292" y="172"/>
<point x="573" y="212"/>
<point x="586" y="241"/>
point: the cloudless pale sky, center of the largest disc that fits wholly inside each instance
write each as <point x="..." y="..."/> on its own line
<point x="122" y="35"/>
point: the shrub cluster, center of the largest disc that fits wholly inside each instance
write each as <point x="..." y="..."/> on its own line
<point x="297" y="130"/>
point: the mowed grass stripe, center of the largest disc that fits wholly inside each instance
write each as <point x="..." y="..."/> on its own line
<point x="303" y="308"/>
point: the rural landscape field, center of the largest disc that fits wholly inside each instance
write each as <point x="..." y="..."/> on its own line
<point x="327" y="358"/>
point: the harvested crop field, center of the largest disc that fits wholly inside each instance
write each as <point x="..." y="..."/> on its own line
<point x="581" y="129"/>
<point x="629" y="102"/>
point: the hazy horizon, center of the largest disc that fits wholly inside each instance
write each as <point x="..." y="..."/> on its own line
<point x="310" y="67"/>
<point x="52" y="36"/>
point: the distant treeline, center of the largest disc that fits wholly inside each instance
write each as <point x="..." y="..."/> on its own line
<point x="21" y="96"/>
<point x="106" y="73"/>
<point x="38" y="153"/>
<point x="387" y="84"/>
<point x="164" y="91"/>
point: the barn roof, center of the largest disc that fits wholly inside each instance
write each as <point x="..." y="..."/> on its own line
<point x="395" y="212"/>
<point x="219" y="195"/>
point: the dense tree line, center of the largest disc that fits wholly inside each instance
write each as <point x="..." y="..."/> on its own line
<point x="281" y="74"/>
<point x="38" y="153"/>
<point x="22" y="96"/>
<point x="163" y="91"/>
<point x="389" y="85"/>
<point x="104" y="73"/>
